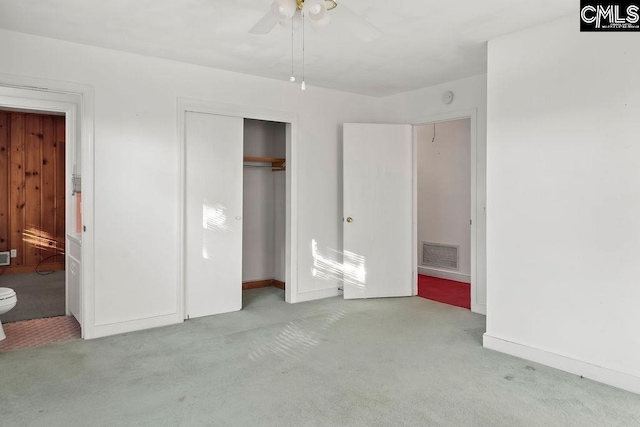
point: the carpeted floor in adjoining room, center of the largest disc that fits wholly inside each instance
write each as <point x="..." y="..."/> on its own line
<point x="39" y="296"/>
<point x="444" y="291"/>
<point x="378" y="362"/>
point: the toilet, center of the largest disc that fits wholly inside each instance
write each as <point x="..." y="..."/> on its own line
<point x="8" y="300"/>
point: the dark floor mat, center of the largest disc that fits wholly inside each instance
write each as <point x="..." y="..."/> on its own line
<point x="39" y="296"/>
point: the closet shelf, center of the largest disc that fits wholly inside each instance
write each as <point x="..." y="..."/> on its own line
<point x="277" y="164"/>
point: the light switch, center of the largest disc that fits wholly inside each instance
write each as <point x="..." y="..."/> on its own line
<point x="14" y="253"/>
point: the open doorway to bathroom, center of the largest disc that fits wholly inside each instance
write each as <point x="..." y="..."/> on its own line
<point x="33" y="216"/>
<point x="444" y="228"/>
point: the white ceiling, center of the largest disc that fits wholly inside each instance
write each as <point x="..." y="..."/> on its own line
<point x="424" y="42"/>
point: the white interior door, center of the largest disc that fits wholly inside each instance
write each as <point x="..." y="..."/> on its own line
<point x="378" y="211"/>
<point x="213" y="246"/>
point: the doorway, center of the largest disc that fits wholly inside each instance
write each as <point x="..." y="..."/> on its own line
<point x="443" y="160"/>
<point x="74" y="102"/>
<point x="32" y="213"/>
<point x="380" y="217"/>
<point x="33" y="229"/>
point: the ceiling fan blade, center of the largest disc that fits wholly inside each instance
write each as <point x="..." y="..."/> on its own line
<point x="355" y="23"/>
<point x="265" y="25"/>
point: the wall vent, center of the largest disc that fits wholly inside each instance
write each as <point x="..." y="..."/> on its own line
<point x="437" y="255"/>
<point x="5" y="258"/>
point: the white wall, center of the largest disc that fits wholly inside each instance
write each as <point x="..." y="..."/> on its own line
<point x="137" y="166"/>
<point x="259" y="250"/>
<point x="426" y="105"/>
<point x="564" y="200"/>
<point x="444" y="193"/>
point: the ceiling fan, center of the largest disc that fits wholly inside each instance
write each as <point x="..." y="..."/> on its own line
<point x="318" y="13"/>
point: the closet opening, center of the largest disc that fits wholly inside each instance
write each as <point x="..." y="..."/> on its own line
<point x="238" y="216"/>
<point x="264" y="210"/>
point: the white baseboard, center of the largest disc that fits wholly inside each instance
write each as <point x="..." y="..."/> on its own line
<point x="314" y="295"/>
<point x="601" y="374"/>
<point x="99" y="331"/>
<point x="445" y="274"/>
<point x="479" y="308"/>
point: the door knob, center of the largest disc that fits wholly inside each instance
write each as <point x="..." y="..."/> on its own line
<point x="349" y="219"/>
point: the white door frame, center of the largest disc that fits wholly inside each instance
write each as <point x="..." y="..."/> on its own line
<point x="75" y="101"/>
<point x="291" y="120"/>
<point x="446" y="117"/>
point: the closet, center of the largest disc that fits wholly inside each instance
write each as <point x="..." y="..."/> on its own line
<point x="234" y="210"/>
<point x="264" y="204"/>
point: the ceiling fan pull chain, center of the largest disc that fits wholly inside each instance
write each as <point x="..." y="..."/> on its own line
<point x="304" y="85"/>
<point x="292" y="78"/>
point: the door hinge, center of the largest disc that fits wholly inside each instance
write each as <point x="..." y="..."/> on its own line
<point x="470" y="222"/>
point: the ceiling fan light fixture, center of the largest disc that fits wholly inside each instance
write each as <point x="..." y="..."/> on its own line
<point x="319" y="22"/>
<point x="313" y="7"/>
<point x="292" y="23"/>
<point x="284" y="9"/>
<point x="317" y="13"/>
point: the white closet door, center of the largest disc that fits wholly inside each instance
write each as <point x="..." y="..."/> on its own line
<point x="213" y="249"/>
<point x="378" y="212"/>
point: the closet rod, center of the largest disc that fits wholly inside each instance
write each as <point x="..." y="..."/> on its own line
<point x="273" y="168"/>
<point x="276" y="164"/>
<point x="263" y="159"/>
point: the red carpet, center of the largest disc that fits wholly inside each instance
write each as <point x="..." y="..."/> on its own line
<point x="446" y="291"/>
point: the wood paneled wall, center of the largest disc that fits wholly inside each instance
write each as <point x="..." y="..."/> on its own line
<point x="32" y="178"/>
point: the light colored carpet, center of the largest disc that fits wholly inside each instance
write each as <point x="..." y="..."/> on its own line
<point x="39" y="296"/>
<point x="390" y="362"/>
